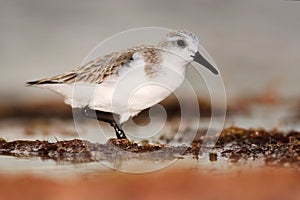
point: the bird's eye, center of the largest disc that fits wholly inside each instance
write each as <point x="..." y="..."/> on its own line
<point x="181" y="43"/>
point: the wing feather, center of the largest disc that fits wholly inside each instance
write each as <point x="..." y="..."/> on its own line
<point x="94" y="71"/>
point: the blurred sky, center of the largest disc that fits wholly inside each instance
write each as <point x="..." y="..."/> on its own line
<point x="255" y="43"/>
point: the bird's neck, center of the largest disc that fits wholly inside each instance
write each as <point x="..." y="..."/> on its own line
<point x="174" y="63"/>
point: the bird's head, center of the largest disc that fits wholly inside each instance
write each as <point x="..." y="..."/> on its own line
<point x="186" y="45"/>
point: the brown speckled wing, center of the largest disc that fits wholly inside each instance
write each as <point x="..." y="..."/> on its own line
<point x="97" y="70"/>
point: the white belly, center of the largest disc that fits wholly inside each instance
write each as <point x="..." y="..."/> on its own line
<point x="134" y="91"/>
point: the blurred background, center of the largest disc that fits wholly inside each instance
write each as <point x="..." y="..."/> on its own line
<point x="255" y="43"/>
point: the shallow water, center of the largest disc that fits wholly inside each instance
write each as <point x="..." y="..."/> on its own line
<point x="269" y="117"/>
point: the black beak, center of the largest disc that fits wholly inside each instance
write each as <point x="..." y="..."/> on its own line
<point x="202" y="61"/>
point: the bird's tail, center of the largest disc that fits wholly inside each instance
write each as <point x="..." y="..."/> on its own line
<point x="41" y="82"/>
<point x="59" y="79"/>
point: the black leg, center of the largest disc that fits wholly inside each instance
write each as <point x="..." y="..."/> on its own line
<point x="105" y="117"/>
<point x="119" y="132"/>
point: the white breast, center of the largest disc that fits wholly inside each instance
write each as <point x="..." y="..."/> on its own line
<point x="134" y="91"/>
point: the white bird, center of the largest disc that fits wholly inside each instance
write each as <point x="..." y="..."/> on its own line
<point x="117" y="86"/>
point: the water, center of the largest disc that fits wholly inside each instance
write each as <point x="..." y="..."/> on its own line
<point x="266" y="116"/>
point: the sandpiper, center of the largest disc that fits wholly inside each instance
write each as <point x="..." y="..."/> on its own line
<point x="126" y="82"/>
